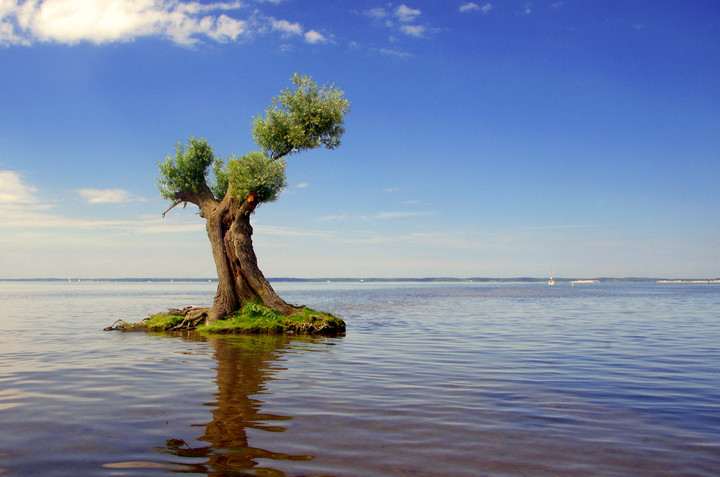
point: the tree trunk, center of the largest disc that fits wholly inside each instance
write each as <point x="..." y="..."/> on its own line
<point x="226" y="300"/>
<point x="239" y="277"/>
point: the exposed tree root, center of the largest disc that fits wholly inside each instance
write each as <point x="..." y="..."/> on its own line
<point x="194" y="316"/>
<point x="116" y="325"/>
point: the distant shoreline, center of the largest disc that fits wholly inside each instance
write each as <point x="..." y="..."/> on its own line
<point x="387" y="280"/>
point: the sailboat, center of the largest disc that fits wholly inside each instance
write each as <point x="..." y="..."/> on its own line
<point x="551" y="282"/>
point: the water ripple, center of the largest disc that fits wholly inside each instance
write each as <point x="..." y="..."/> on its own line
<point x="459" y="379"/>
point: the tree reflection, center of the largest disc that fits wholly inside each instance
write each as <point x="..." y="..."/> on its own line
<point x="244" y="365"/>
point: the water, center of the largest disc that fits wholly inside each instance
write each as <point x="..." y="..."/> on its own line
<point x="430" y="379"/>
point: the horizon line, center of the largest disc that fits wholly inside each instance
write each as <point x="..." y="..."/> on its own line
<point x="362" y="279"/>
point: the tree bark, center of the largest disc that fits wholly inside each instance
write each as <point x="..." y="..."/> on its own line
<point x="226" y="300"/>
<point x="239" y="277"/>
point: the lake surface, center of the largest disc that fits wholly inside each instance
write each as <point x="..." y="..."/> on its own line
<point x="445" y="379"/>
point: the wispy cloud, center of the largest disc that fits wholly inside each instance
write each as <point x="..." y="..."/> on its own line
<point x="20" y="209"/>
<point x="14" y="191"/>
<point x="566" y="226"/>
<point x="401" y="19"/>
<point x="399" y="215"/>
<point x="286" y="28"/>
<point x="413" y="30"/>
<point x="378" y="13"/>
<point x="406" y="14"/>
<point x="106" y="196"/>
<point x="473" y="7"/>
<point x="32" y="217"/>
<point x="109" y="21"/>
<point x="395" y="52"/>
<point x="329" y="218"/>
<point x="314" y="37"/>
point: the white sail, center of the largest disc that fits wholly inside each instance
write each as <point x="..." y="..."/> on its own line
<point x="551" y="281"/>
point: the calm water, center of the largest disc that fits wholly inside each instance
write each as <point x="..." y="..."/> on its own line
<point x="445" y="379"/>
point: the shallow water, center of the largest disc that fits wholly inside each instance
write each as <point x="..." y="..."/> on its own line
<point x="448" y="379"/>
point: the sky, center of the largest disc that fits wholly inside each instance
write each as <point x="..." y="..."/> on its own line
<point x="486" y="138"/>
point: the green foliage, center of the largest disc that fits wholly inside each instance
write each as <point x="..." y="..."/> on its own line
<point x="187" y="171"/>
<point x="306" y="118"/>
<point x="158" y="322"/>
<point x="222" y="179"/>
<point x="254" y="317"/>
<point x="255" y="172"/>
<point x="258" y="318"/>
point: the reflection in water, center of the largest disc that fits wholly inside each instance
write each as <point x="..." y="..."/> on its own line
<point x="459" y="380"/>
<point x="244" y="364"/>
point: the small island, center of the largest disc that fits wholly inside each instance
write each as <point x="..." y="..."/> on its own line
<point x="302" y="118"/>
<point x="253" y="318"/>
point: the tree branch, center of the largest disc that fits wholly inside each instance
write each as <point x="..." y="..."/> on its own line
<point x="202" y="199"/>
<point x="172" y="207"/>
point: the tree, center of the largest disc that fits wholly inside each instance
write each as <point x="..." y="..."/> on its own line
<point x="306" y="117"/>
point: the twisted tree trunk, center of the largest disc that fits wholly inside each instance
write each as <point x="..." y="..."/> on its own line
<point x="239" y="277"/>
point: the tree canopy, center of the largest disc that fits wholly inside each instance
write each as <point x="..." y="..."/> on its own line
<point x="306" y="117"/>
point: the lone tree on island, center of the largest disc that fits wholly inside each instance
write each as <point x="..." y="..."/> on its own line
<point x="299" y="119"/>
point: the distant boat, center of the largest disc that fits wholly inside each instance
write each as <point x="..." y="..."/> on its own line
<point x="551" y="281"/>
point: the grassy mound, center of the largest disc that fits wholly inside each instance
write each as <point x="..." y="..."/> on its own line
<point x="253" y="318"/>
<point x="257" y="318"/>
<point x="157" y="322"/>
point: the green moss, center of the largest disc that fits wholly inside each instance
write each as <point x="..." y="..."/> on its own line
<point x="253" y="318"/>
<point x="257" y="318"/>
<point x="158" y="322"/>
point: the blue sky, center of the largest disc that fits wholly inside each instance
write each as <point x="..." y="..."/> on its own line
<point x="486" y="138"/>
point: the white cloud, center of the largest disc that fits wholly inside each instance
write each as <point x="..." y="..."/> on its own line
<point x="472" y="7"/>
<point x="302" y="185"/>
<point x="105" y="196"/>
<point x="393" y="52"/>
<point x="21" y="211"/>
<point x="107" y="21"/>
<point x="333" y="218"/>
<point x="406" y="14"/>
<point x="377" y="13"/>
<point x="398" y="215"/>
<point x="226" y="29"/>
<point x="399" y="19"/>
<point x="13" y="191"/>
<point x="314" y="37"/>
<point x="286" y="27"/>
<point x="413" y="30"/>
<point x="104" y="21"/>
